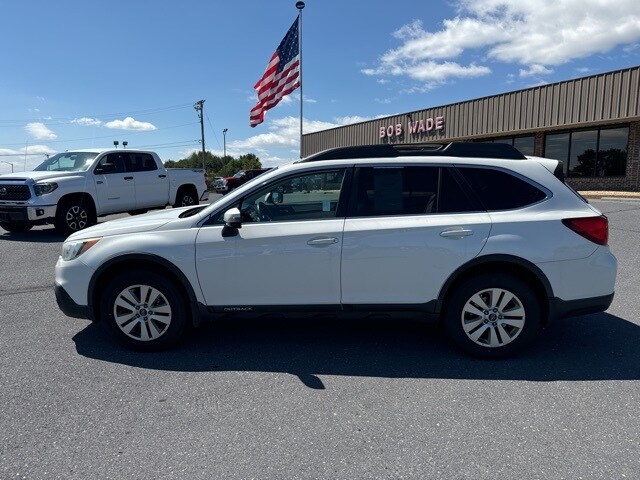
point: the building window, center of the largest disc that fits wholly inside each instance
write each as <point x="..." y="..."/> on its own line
<point x="557" y="146"/>
<point x="524" y="144"/>
<point x="582" y="153"/>
<point x="588" y="153"/>
<point x="612" y="151"/>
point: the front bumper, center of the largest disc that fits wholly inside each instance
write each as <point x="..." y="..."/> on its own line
<point x="69" y="307"/>
<point x="22" y="213"/>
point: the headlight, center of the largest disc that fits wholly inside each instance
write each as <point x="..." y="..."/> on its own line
<point x="43" y="188"/>
<point x="74" y="249"/>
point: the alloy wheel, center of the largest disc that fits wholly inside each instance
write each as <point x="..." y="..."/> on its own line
<point x="77" y="218"/>
<point x="142" y="312"/>
<point x="493" y="317"/>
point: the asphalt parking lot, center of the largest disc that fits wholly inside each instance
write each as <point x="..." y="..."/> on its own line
<point x="323" y="399"/>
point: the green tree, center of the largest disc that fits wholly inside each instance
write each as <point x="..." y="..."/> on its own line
<point x="215" y="165"/>
<point x="250" y="161"/>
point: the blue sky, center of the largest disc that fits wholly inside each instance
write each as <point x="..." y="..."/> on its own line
<point x="82" y="74"/>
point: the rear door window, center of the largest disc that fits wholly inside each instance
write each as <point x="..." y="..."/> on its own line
<point x="408" y="190"/>
<point x="499" y="190"/>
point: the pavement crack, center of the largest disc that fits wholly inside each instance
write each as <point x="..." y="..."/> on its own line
<point x="15" y="291"/>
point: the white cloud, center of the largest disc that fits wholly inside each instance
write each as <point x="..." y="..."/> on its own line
<point x="86" y="121"/>
<point x="40" y="131"/>
<point x="531" y="33"/>
<point x="632" y="47"/>
<point x="130" y="124"/>
<point x="284" y="133"/>
<point x="535" y="69"/>
<point x="23" y="158"/>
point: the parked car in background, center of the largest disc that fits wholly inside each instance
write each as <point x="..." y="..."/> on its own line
<point x="490" y="242"/>
<point x="226" y="184"/>
<point x="72" y="189"/>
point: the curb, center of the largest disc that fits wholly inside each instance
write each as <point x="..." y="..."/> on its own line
<point x="610" y="195"/>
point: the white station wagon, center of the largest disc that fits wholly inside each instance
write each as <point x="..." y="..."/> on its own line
<point x="489" y="241"/>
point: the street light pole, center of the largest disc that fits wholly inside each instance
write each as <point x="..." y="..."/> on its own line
<point x="224" y="141"/>
<point x="8" y="164"/>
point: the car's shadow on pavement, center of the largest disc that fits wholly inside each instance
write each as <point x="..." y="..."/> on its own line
<point x="592" y="347"/>
<point x="33" y="236"/>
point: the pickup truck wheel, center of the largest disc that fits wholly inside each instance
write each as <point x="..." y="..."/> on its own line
<point x="186" y="197"/>
<point x="144" y="311"/>
<point x="73" y="215"/>
<point x="16" y="227"/>
<point x="493" y="315"/>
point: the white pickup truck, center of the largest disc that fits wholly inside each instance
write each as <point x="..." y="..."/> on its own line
<point x="73" y="188"/>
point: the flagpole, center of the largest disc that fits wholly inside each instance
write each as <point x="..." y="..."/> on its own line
<point x="300" y="6"/>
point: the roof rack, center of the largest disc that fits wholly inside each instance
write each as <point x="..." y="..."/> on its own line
<point x="453" y="149"/>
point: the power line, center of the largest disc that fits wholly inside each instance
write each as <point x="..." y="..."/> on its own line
<point x="104" y="136"/>
<point x="178" y="143"/>
<point x="65" y="120"/>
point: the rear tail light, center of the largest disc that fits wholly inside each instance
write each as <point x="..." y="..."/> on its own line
<point x="595" y="229"/>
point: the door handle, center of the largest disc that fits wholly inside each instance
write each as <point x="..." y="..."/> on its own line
<point x="456" y="232"/>
<point x="322" y="241"/>
<point x="99" y="182"/>
<point x="162" y="176"/>
<point x="128" y="178"/>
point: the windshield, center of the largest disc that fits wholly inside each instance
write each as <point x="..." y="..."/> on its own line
<point x="239" y="174"/>
<point x="67" y="162"/>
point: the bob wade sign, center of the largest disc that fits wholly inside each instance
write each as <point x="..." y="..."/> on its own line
<point x="413" y="128"/>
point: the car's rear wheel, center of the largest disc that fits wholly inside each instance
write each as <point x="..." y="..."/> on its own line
<point x="493" y="315"/>
<point x="144" y="311"/>
<point x="16" y="227"/>
<point x="186" y="197"/>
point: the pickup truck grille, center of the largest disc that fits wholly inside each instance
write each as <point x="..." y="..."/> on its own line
<point x="14" y="192"/>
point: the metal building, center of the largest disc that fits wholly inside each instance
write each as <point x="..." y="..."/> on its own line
<point x="591" y="123"/>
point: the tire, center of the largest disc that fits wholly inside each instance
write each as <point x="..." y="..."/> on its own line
<point x="488" y="332"/>
<point x="16" y="227"/>
<point x="186" y="197"/>
<point x="73" y="215"/>
<point x="126" y="308"/>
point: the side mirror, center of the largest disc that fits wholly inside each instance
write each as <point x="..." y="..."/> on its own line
<point x="273" y="197"/>
<point x="232" y="222"/>
<point x="233" y="218"/>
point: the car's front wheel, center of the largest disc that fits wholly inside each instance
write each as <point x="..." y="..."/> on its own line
<point x="73" y="215"/>
<point x="493" y="315"/>
<point x="144" y="310"/>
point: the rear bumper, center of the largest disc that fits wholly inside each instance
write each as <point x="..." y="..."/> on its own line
<point x="559" y="309"/>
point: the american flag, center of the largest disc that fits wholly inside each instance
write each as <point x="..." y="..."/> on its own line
<point x="281" y="77"/>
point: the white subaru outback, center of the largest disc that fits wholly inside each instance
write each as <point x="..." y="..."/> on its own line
<point x="492" y="243"/>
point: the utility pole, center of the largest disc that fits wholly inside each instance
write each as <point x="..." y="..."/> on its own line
<point x="199" y="106"/>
